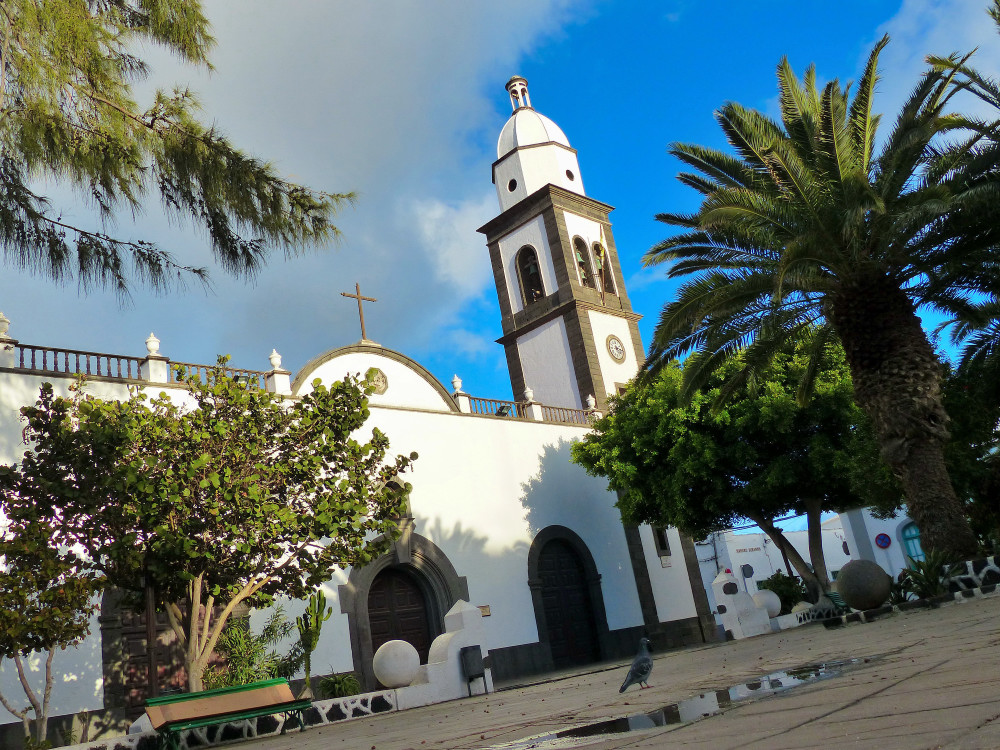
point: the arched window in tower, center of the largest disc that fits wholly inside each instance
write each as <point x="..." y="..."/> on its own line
<point x="584" y="266"/>
<point x="605" y="276"/>
<point x="529" y="275"/>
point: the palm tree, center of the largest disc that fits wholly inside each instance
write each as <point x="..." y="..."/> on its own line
<point x="808" y="224"/>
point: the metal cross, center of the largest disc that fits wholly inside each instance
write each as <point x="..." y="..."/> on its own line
<point x="361" y="311"/>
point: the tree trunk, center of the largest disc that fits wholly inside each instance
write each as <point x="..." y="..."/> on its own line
<point x="812" y="582"/>
<point x="897" y="382"/>
<point x="814" y="532"/>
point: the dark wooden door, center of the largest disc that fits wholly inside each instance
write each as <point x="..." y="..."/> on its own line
<point x="569" y="615"/>
<point x="397" y="610"/>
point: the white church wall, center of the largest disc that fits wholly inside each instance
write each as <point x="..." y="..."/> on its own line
<point x="671" y="588"/>
<point x="533" y="168"/>
<point x="613" y="373"/>
<point x="545" y="353"/>
<point x="406" y="387"/>
<point x="482" y="489"/>
<point x="532" y="233"/>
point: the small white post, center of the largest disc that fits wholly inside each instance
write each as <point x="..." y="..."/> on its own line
<point x="277" y="380"/>
<point x="154" y="368"/>
<point x="533" y="409"/>
<point x="460" y="396"/>
<point x="8" y="345"/>
<point x="592" y="413"/>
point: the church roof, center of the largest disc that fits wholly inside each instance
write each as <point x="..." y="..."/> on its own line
<point x="526" y="127"/>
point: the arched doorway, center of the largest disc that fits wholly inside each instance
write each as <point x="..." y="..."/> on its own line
<point x="397" y="610"/>
<point x="569" y="613"/>
<point x="566" y="593"/>
<point x="413" y="562"/>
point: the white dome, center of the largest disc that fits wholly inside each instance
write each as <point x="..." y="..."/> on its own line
<point x="528" y="128"/>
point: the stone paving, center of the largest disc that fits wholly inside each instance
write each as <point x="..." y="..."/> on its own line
<point x="924" y="679"/>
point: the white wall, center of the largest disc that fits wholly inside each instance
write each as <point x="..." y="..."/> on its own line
<point x="613" y="373"/>
<point x="547" y="363"/>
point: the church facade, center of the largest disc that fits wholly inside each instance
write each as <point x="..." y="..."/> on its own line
<point x="499" y="516"/>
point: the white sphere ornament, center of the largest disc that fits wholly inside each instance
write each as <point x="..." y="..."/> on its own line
<point x="396" y="664"/>
<point x="769" y="601"/>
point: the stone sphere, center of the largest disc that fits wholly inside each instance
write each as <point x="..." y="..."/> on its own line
<point x="768" y="601"/>
<point x="863" y="584"/>
<point x="396" y="664"/>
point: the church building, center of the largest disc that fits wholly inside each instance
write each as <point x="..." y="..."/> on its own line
<point x="499" y="516"/>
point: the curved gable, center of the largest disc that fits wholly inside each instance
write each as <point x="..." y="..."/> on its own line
<point x="407" y="382"/>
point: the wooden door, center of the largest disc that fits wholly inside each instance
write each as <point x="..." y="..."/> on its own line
<point x="397" y="610"/>
<point x="569" y="616"/>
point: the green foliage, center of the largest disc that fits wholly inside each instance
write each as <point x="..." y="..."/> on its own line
<point x="46" y="600"/>
<point x="250" y="657"/>
<point x="67" y="115"/>
<point x="310" y="624"/>
<point x="929" y="577"/>
<point x="339" y="685"/>
<point x="759" y="456"/>
<point x="236" y="497"/>
<point x="788" y="588"/>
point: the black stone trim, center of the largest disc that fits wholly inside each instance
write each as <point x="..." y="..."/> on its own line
<point x="545" y="197"/>
<point x="433" y="572"/>
<point x="373" y="348"/>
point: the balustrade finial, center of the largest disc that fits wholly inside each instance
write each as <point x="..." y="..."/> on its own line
<point x="456" y="383"/>
<point x="275" y="360"/>
<point x="152" y="345"/>
<point x="4" y="325"/>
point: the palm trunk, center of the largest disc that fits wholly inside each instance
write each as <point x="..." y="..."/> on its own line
<point x="897" y="382"/>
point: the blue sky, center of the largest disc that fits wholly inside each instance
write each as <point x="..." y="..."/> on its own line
<point x="403" y="102"/>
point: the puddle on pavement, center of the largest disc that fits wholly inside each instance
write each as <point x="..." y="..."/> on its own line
<point x="698" y="707"/>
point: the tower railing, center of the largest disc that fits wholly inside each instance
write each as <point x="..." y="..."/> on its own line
<point x="493" y="407"/>
<point x="250" y="377"/>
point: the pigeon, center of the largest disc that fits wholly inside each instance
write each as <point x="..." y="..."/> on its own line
<point x="642" y="665"/>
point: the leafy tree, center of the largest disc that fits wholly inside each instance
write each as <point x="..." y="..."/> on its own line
<point x="809" y="224"/>
<point x="46" y="600"/>
<point x="67" y="114"/>
<point x="760" y="456"/>
<point x="249" y="656"/>
<point x="235" y="497"/>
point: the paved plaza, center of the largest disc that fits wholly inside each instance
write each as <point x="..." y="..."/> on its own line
<point x="922" y="679"/>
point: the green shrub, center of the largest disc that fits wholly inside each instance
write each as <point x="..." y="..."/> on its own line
<point x="339" y="685"/>
<point x="929" y="577"/>
<point x="250" y="657"/>
<point x="788" y="588"/>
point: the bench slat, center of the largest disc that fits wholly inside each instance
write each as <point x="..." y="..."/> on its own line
<point x="215" y="703"/>
<point x="208" y="721"/>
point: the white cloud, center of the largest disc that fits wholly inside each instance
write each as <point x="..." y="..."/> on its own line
<point x="447" y="234"/>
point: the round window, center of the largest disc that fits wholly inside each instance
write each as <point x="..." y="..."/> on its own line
<point x="570" y="175"/>
<point x="512" y="186"/>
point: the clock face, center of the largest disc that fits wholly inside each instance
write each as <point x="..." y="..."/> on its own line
<point x="616" y="349"/>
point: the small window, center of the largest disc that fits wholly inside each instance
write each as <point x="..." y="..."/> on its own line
<point x="529" y="275"/>
<point x="512" y="186"/>
<point x="584" y="268"/>
<point x="662" y="543"/>
<point x="605" y="276"/>
<point x="911" y="541"/>
<point x="569" y="175"/>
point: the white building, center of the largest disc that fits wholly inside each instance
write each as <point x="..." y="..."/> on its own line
<point x="500" y="517"/>
<point x="853" y="535"/>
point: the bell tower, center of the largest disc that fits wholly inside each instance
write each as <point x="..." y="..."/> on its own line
<point x="569" y="331"/>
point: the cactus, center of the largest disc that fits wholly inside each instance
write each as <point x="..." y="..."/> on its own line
<point x="310" y="623"/>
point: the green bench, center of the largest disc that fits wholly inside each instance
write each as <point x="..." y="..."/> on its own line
<point x="172" y="714"/>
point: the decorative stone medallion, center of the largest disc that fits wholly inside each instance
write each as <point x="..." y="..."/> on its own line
<point x="378" y="379"/>
<point x="616" y="348"/>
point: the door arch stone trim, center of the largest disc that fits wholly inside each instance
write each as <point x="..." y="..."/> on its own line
<point x="434" y="574"/>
